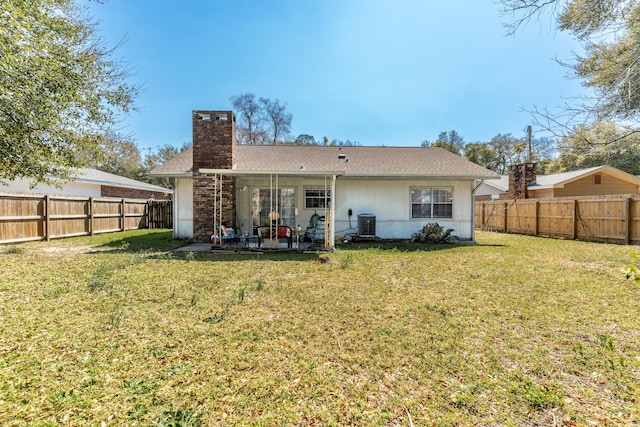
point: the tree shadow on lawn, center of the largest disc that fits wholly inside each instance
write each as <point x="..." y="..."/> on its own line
<point x="164" y="241"/>
<point x="144" y="242"/>
<point x="379" y="246"/>
<point x="407" y="246"/>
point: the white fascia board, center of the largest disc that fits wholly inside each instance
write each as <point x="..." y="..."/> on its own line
<point x="405" y="176"/>
<point x="125" y="185"/>
<point x="234" y="172"/>
<point x="172" y="175"/>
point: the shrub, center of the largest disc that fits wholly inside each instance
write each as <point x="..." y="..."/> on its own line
<point x="633" y="270"/>
<point x="433" y="233"/>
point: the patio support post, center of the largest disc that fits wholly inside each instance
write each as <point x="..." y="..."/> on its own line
<point x="473" y="210"/>
<point x="270" y="215"/>
<point x="215" y="209"/>
<point x="332" y="213"/>
<point x="220" y="210"/>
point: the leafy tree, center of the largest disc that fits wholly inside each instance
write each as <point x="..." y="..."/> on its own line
<point x="451" y="141"/>
<point x="153" y="160"/>
<point x="481" y="154"/>
<point x="164" y="154"/>
<point x="609" y="32"/>
<point x="578" y="152"/>
<point x="345" y="143"/>
<point x="505" y="150"/>
<point x="508" y="151"/>
<point x="304" y="139"/>
<point x="120" y="156"/>
<point x="60" y="89"/>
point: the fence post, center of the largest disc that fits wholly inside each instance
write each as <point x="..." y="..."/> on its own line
<point x="147" y="215"/>
<point x="535" y="217"/>
<point x="574" y="220"/>
<point x="91" y="217"/>
<point x="47" y="224"/>
<point x="124" y="215"/>
<point x="628" y="205"/>
<point x="505" y="218"/>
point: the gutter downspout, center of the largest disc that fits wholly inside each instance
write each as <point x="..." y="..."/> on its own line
<point x="473" y="210"/>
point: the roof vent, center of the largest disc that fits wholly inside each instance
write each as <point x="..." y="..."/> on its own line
<point x="342" y="156"/>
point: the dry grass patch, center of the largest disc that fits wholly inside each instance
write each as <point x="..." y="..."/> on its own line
<point x="515" y="331"/>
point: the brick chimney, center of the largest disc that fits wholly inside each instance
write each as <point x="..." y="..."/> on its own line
<point x="520" y="176"/>
<point x="214" y="135"/>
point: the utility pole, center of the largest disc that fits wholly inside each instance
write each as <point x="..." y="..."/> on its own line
<point x="529" y="139"/>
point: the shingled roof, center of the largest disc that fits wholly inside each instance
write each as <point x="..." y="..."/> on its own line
<point x="563" y="178"/>
<point x="94" y="176"/>
<point x="560" y="179"/>
<point x="349" y="161"/>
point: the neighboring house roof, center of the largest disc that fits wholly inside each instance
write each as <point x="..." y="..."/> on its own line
<point x="500" y="184"/>
<point x="94" y="176"/>
<point x="559" y="180"/>
<point x="350" y="161"/>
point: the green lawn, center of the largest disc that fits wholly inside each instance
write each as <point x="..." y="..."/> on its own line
<point x="517" y="331"/>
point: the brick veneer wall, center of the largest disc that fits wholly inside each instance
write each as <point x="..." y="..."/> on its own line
<point x="214" y="135"/>
<point x="129" y="193"/>
<point x="519" y="176"/>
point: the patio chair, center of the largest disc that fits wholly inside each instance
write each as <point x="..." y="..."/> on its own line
<point x="318" y="232"/>
<point x="223" y="235"/>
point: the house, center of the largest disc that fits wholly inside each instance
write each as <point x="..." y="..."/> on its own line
<point x="386" y="192"/>
<point x="596" y="181"/>
<point x="493" y="189"/>
<point x="89" y="183"/>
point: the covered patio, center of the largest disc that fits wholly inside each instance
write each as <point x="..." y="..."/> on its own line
<point x="267" y="210"/>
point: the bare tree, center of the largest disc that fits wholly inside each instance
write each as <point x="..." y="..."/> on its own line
<point x="261" y="121"/>
<point x="251" y="127"/>
<point x="278" y="118"/>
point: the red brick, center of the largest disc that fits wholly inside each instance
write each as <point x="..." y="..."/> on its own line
<point x="214" y="134"/>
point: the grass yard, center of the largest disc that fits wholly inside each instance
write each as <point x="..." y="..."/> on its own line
<point x="117" y="330"/>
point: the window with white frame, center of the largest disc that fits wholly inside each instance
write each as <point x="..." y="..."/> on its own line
<point x="316" y="197"/>
<point x="428" y="202"/>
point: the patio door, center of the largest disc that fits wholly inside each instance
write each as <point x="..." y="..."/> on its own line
<point x="281" y="201"/>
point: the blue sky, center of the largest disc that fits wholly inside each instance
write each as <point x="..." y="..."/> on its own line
<point x="376" y="72"/>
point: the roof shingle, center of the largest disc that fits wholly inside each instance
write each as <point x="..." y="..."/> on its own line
<point x="354" y="161"/>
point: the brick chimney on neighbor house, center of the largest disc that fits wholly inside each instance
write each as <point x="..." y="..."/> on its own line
<point x="520" y="176"/>
<point x="214" y="135"/>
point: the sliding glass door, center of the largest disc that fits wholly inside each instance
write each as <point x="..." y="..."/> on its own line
<point x="279" y="205"/>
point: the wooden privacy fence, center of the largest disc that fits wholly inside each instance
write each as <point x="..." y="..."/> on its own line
<point x="610" y="220"/>
<point x="25" y="218"/>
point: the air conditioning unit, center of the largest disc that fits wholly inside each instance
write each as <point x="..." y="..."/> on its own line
<point x="366" y="225"/>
